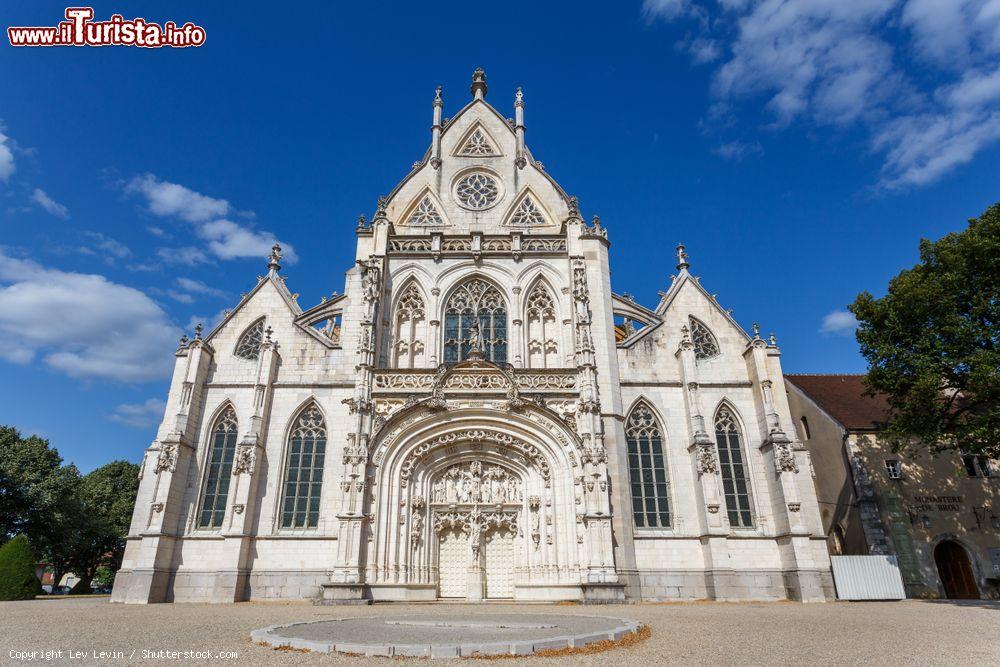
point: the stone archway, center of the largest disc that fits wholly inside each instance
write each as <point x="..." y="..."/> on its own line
<point x="955" y="571"/>
<point x="488" y="493"/>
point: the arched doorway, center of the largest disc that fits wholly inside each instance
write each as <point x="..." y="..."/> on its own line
<point x="955" y="571"/>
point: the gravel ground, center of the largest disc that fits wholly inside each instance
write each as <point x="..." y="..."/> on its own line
<point x="842" y="633"/>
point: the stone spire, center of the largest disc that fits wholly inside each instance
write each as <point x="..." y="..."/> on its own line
<point x="436" y="130"/>
<point x="520" y="160"/>
<point x="272" y="265"/>
<point x="682" y="258"/>
<point x="478" y="87"/>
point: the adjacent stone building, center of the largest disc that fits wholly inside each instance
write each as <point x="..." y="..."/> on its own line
<point x="477" y="416"/>
<point x="939" y="515"/>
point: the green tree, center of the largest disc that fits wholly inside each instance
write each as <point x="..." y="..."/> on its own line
<point x="17" y="570"/>
<point x="933" y="343"/>
<point x="106" y="497"/>
<point x="26" y="489"/>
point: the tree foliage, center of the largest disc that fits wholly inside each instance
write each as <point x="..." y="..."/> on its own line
<point x="77" y="524"/>
<point x="17" y="570"/>
<point x="933" y="342"/>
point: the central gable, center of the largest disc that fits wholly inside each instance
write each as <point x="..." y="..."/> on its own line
<point x="476" y="176"/>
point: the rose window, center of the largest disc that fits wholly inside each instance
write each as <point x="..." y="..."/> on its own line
<point x="478" y="191"/>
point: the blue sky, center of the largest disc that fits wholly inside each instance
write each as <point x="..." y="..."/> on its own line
<point x="799" y="148"/>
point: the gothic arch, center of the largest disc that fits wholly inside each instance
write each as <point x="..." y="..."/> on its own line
<point x="706" y="344"/>
<point x="247" y="344"/>
<point x="411" y="456"/>
<point x="648" y="467"/>
<point x="491" y="315"/>
<point x="450" y="277"/>
<point x="225" y="410"/>
<point x="542" y="316"/>
<point x="291" y="427"/>
<point x="409" y="328"/>
<point x="735" y="466"/>
<point x="527" y="211"/>
<point x="420" y="214"/>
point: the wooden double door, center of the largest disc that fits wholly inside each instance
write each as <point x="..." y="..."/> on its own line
<point x="955" y="571"/>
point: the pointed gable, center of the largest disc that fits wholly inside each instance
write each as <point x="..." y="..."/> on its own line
<point x="478" y="143"/>
<point x="527" y="213"/>
<point x="425" y="213"/>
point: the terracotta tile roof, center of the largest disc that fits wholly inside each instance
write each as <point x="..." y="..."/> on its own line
<point x="843" y="398"/>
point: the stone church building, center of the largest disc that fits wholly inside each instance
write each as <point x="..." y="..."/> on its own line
<point x="477" y="416"/>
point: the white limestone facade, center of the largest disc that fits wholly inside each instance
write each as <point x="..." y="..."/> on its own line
<point x="477" y="416"/>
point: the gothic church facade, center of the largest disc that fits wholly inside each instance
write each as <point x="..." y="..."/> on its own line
<point x="477" y="416"/>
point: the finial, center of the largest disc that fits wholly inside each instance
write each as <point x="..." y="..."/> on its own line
<point x="597" y="223"/>
<point x="478" y="87"/>
<point x="772" y="340"/>
<point x="519" y="98"/>
<point x="184" y="340"/>
<point x="323" y="299"/>
<point x="380" y="208"/>
<point x="273" y="264"/>
<point x="682" y="258"/>
<point x="574" y="207"/>
<point x="685" y="333"/>
<point x="267" y="334"/>
<point x="197" y="330"/>
<point x="756" y="331"/>
<point x="362" y="222"/>
<point x="438" y="100"/>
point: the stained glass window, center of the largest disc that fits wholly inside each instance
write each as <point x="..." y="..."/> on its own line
<point x="475" y="302"/>
<point x="647" y="469"/>
<point x="477" y="191"/>
<point x="735" y="478"/>
<point x="220" y="470"/>
<point x="304" y="471"/>
<point x="705" y="344"/>
<point x="248" y="346"/>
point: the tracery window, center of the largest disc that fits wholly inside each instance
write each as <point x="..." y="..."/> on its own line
<point x="647" y="469"/>
<point x="527" y="214"/>
<point x="477" y="144"/>
<point x="220" y="470"/>
<point x="304" y="470"/>
<point x="477" y="191"/>
<point x="543" y="350"/>
<point x="475" y="315"/>
<point x="248" y="347"/>
<point x="425" y="214"/>
<point x="705" y="344"/>
<point x="735" y="480"/>
<point x="410" y="329"/>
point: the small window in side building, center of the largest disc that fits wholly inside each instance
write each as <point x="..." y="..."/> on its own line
<point x="894" y="468"/>
<point x="969" y="462"/>
<point x="986" y="467"/>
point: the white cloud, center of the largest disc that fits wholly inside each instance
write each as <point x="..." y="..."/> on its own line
<point x="105" y="246"/>
<point x="228" y="240"/>
<point x="737" y="150"/>
<point x="50" y="205"/>
<point x="83" y="325"/>
<point x="188" y="256"/>
<point x="139" y="415"/>
<point x="225" y="239"/>
<point x="198" y="287"/>
<point x="859" y="63"/>
<point x="170" y="199"/>
<point x="7" y="166"/>
<point x="838" y="323"/>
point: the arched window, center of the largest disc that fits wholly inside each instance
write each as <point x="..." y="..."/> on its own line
<point x="410" y="320"/>
<point x="248" y="346"/>
<point x="647" y="469"/>
<point x="735" y="481"/>
<point x="304" y="470"/>
<point x="705" y="344"/>
<point x="543" y="350"/>
<point x="220" y="470"/>
<point x="475" y="314"/>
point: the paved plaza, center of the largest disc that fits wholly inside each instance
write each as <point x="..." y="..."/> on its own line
<point x="910" y="632"/>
